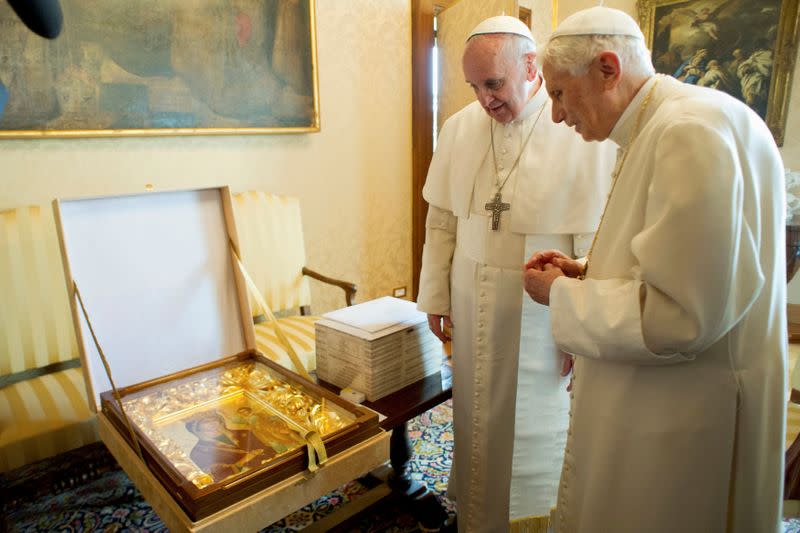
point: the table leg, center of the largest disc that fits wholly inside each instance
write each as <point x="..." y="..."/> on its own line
<point x="399" y="455"/>
<point x="422" y="502"/>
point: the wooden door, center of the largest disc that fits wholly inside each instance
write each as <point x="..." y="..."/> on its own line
<point x="456" y="20"/>
<point x="453" y="26"/>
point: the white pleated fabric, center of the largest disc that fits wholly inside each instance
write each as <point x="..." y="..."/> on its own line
<point x="510" y="404"/>
<point x="542" y="416"/>
<point x="271" y="246"/>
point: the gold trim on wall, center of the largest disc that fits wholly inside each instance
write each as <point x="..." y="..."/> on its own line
<point x="784" y="54"/>
<point x="554" y="22"/>
<point x="525" y="16"/>
<point x="57" y="62"/>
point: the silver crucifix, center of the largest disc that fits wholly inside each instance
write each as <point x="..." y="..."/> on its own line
<point x="496" y="206"/>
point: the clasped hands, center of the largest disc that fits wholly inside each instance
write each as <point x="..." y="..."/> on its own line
<point x="541" y="271"/>
<point x="543" y="268"/>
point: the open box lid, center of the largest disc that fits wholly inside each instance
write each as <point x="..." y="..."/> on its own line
<point x="159" y="282"/>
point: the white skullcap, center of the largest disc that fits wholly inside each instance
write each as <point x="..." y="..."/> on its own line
<point x="502" y="24"/>
<point x="599" y="20"/>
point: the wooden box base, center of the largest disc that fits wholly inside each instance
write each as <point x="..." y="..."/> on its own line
<point x="160" y="409"/>
<point x="260" y="509"/>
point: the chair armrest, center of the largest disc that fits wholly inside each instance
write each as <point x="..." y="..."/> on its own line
<point x="348" y="288"/>
<point x="794" y="397"/>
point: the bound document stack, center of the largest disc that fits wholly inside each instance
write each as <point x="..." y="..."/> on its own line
<point x="376" y="347"/>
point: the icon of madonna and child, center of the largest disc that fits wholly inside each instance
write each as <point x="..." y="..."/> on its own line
<point x="231" y="439"/>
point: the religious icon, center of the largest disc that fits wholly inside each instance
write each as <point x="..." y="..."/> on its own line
<point x="233" y="437"/>
<point x="218" y="424"/>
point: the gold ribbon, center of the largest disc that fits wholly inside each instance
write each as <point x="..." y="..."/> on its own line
<point x="107" y="367"/>
<point x="531" y="524"/>
<point x="301" y="369"/>
<point x="317" y="455"/>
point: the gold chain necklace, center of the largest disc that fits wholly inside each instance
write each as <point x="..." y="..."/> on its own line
<point x="617" y="173"/>
<point x="496" y="206"/>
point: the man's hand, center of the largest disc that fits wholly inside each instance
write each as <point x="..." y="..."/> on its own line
<point x="538" y="282"/>
<point x="568" y="266"/>
<point x="435" y="323"/>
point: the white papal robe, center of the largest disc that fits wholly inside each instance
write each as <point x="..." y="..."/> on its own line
<point x="506" y="421"/>
<point x="679" y="395"/>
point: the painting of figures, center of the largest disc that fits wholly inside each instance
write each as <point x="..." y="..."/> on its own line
<point x="730" y="45"/>
<point x="163" y="67"/>
<point x="234" y="436"/>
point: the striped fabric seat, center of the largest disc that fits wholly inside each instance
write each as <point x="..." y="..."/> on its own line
<point x="792" y="423"/>
<point x="44" y="416"/>
<point x="300" y="332"/>
<point x="41" y="415"/>
<point x="792" y="409"/>
<point x="791" y="508"/>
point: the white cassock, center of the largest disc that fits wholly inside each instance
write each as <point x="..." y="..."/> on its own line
<point x="679" y="397"/>
<point x="510" y="426"/>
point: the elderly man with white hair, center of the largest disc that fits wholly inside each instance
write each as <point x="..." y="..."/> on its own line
<point x="505" y="181"/>
<point x="677" y="320"/>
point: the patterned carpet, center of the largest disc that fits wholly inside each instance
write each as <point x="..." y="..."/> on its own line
<point x="85" y="490"/>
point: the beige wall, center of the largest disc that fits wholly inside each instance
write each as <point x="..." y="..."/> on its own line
<point x="353" y="178"/>
<point x="541" y="18"/>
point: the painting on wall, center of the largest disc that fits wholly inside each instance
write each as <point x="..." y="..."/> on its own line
<point x="156" y="67"/>
<point x="745" y="48"/>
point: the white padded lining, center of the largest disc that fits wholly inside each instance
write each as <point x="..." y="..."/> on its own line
<point x="156" y="275"/>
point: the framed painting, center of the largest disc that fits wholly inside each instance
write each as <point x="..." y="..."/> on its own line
<point x="122" y="68"/>
<point x="746" y="48"/>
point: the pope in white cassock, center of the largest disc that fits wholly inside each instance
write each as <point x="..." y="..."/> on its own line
<point x="505" y="181"/>
<point x="678" y="319"/>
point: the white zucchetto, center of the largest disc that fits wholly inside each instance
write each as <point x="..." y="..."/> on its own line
<point x="599" y="20"/>
<point x="502" y="24"/>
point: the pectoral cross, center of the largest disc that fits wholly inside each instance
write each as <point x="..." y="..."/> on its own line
<point x="496" y="206"/>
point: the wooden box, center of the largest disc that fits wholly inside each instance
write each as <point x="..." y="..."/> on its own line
<point x="376" y="347"/>
<point x="159" y="305"/>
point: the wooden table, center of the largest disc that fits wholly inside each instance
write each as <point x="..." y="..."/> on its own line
<point x="398" y="408"/>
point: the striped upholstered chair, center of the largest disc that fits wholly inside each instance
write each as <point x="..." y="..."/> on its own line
<point x="271" y="245"/>
<point x="43" y="406"/>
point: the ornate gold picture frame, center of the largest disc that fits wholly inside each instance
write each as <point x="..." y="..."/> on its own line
<point x="150" y="67"/>
<point x="220" y="432"/>
<point x="746" y="48"/>
<point x="214" y="425"/>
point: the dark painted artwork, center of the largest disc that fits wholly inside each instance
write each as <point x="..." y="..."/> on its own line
<point x="161" y="64"/>
<point x="725" y="44"/>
